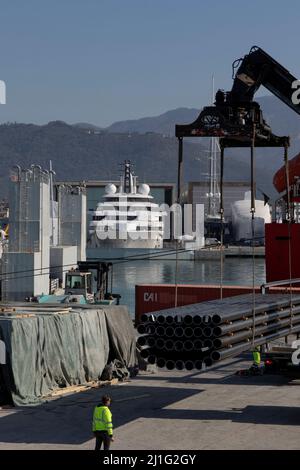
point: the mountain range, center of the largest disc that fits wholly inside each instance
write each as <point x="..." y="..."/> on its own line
<point x="85" y="151"/>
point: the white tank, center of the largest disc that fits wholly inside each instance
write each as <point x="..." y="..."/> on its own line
<point x="241" y="219"/>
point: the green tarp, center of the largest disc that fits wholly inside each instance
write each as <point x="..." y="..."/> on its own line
<point x="51" y="350"/>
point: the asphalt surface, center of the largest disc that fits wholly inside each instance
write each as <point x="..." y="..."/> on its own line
<point x="159" y="409"/>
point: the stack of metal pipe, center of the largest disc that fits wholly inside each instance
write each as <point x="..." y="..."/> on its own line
<point x="190" y="336"/>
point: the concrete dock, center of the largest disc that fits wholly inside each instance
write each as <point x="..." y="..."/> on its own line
<point x="232" y="251"/>
<point x="160" y="409"/>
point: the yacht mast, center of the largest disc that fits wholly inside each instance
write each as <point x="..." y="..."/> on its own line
<point x="128" y="180"/>
<point x="214" y="193"/>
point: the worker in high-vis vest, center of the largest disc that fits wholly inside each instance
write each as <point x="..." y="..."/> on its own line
<point x="102" y="424"/>
<point x="256" y="357"/>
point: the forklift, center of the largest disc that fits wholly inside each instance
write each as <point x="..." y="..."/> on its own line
<point x="87" y="284"/>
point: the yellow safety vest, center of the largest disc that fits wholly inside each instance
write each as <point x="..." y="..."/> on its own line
<point x="102" y="420"/>
<point x="256" y="357"/>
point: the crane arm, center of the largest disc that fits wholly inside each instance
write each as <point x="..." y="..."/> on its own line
<point x="235" y="117"/>
<point x="259" y="68"/>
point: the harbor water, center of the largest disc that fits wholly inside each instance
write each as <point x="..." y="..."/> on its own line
<point x="236" y="271"/>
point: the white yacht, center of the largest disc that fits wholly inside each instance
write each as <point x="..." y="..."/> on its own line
<point x="127" y="217"/>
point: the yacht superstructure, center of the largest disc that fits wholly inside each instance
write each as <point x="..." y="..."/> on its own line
<point x="127" y="217"/>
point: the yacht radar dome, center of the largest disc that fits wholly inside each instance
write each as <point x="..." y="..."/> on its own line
<point x="144" y="189"/>
<point x="110" y="189"/>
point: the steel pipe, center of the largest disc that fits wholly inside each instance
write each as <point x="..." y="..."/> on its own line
<point x="197" y="320"/>
<point x="160" y="330"/>
<point x="178" y="345"/>
<point x="144" y="318"/>
<point x="169" y="345"/>
<point x="168" y="354"/>
<point x="188" y="332"/>
<point x="178" y="332"/>
<point x="161" y="362"/>
<point x="245" y="345"/>
<point x="189" y="365"/>
<point x="259" y="330"/>
<point x="178" y="319"/>
<point x="145" y="353"/>
<point x="237" y="312"/>
<point x="152" y="359"/>
<point x="206" y="319"/>
<point x="179" y="365"/>
<point x="226" y="308"/>
<point x="170" y="365"/>
<point x="142" y="340"/>
<point x="141" y="328"/>
<point x="198" y="345"/>
<point x="188" y="345"/>
<point x="151" y="329"/>
<point x="198" y="332"/>
<point x="261" y="318"/>
<point x="170" y="319"/>
<point x="169" y="312"/>
<point x="151" y="341"/>
<point x="169" y="331"/>
<point x="188" y="319"/>
<point x="224" y="341"/>
<point x="148" y="327"/>
<point x="161" y="319"/>
<point x="159" y="343"/>
<point x="198" y="364"/>
<point x="207" y="332"/>
<point x="207" y="343"/>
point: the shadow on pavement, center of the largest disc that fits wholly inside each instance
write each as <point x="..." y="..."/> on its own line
<point x="231" y="379"/>
<point x="275" y="415"/>
<point x="68" y="420"/>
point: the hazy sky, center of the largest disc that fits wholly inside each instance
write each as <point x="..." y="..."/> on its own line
<point x="100" y="61"/>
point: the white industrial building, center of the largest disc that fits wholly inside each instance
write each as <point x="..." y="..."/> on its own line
<point x="46" y="238"/>
<point x="25" y="267"/>
<point x="72" y="218"/>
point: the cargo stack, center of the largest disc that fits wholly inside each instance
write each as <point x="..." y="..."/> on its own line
<point x="191" y="336"/>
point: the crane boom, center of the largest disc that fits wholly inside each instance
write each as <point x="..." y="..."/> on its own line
<point x="259" y="68"/>
<point x="235" y="117"/>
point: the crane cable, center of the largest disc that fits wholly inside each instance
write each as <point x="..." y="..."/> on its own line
<point x="289" y="217"/>
<point x="252" y="164"/>
<point x="176" y="276"/>
<point x="222" y="220"/>
<point x="179" y="175"/>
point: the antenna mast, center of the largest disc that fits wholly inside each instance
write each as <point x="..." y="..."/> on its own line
<point x="214" y="193"/>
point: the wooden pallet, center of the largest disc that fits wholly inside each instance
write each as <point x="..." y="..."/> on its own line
<point x="16" y="314"/>
<point x="7" y="309"/>
<point x="33" y="312"/>
<point x="80" y="388"/>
